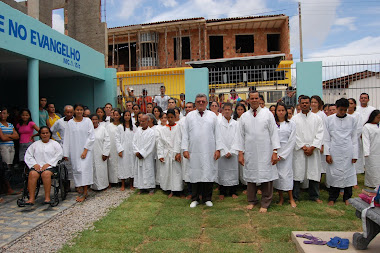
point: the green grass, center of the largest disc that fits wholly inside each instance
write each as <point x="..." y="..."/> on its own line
<point x="146" y="223"/>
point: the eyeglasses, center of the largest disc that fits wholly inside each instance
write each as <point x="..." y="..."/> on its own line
<point x="201" y="102"/>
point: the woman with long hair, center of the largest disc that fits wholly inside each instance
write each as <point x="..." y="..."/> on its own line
<point x="78" y="146"/>
<point x="101" y="153"/>
<point x="113" y="161"/>
<point x="26" y="128"/>
<point x="239" y="110"/>
<point x="359" y="165"/>
<point x="371" y="149"/>
<point x="287" y="134"/>
<point x="126" y="157"/>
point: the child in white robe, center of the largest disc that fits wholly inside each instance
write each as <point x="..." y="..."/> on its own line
<point x="169" y="154"/>
<point x="113" y="160"/>
<point x="143" y="148"/>
<point x="228" y="170"/>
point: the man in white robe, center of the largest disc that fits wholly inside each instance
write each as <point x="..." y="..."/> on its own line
<point x="257" y="143"/>
<point x="143" y="146"/>
<point x="60" y="127"/>
<point x="306" y="156"/>
<point x="201" y="145"/>
<point x="228" y="169"/>
<point x="341" y="150"/>
<point x="364" y="110"/>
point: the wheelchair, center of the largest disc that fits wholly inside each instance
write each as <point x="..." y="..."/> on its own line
<point x="59" y="181"/>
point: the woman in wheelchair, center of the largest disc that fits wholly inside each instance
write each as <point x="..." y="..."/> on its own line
<point x="42" y="158"/>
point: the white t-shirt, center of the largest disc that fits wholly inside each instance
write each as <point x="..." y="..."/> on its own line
<point x="162" y="101"/>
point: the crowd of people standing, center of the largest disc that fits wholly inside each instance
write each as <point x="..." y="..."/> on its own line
<point x="184" y="148"/>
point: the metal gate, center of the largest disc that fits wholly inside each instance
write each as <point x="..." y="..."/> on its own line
<point x="349" y="80"/>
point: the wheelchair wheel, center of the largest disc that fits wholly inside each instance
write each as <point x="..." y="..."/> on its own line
<point x="21" y="203"/>
<point x="56" y="198"/>
<point x="62" y="189"/>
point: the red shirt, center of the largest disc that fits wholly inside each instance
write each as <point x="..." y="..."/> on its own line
<point x="143" y="101"/>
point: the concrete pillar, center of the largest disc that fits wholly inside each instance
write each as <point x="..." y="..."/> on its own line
<point x="196" y="81"/>
<point x="309" y="78"/>
<point x="33" y="89"/>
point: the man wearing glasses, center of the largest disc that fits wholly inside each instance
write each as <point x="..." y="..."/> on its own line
<point x="201" y="142"/>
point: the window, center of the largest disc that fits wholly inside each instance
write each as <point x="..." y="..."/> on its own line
<point x="273" y="96"/>
<point x="273" y="42"/>
<point x="148" y="54"/>
<point x="216" y="47"/>
<point x="244" y="43"/>
<point x="185" y="41"/>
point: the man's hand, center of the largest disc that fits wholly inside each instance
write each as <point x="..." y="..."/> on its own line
<point x="178" y="157"/>
<point x="45" y="167"/>
<point x="104" y="157"/>
<point x="274" y="159"/>
<point x="121" y="154"/>
<point x="139" y="156"/>
<point x="228" y="155"/>
<point x="37" y="167"/>
<point x="66" y="158"/>
<point x="354" y="160"/>
<point x="186" y="154"/>
<point x="84" y="154"/>
<point x="216" y="155"/>
<point x="322" y="149"/>
<point x="241" y="158"/>
<point x="329" y="159"/>
<point x="162" y="160"/>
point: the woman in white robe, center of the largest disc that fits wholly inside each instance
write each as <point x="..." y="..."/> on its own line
<point x="316" y="107"/>
<point x="169" y="155"/>
<point x="287" y="135"/>
<point x="78" y="146"/>
<point x="228" y="169"/>
<point x="144" y="142"/>
<point x="101" y="153"/>
<point x="113" y="160"/>
<point x="359" y="165"/>
<point x="124" y="138"/>
<point x="152" y="123"/>
<point x="341" y="150"/>
<point x="371" y="149"/>
<point x="239" y="110"/>
<point x="41" y="157"/>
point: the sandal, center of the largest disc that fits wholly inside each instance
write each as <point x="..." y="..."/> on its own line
<point x="333" y="243"/>
<point x="307" y="236"/>
<point x="343" y="244"/>
<point x="315" y="241"/>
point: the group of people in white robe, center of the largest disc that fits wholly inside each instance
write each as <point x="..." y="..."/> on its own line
<point x="263" y="149"/>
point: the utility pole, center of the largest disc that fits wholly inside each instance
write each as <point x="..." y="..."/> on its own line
<point x="300" y="30"/>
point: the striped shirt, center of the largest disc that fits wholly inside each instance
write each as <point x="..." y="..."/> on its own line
<point x="6" y="131"/>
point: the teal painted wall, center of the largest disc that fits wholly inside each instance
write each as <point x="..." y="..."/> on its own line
<point x="27" y="36"/>
<point x="106" y="91"/>
<point x="309" y="78"/>
<point x="196" y="81"/>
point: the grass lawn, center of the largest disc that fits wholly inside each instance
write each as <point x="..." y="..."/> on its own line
<point x="146" y="223"/>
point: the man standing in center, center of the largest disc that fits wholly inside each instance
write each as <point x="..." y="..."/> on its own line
<point x="307" y="155"/>
<point x="257" y="142"/>
<point x="201" y="145"/>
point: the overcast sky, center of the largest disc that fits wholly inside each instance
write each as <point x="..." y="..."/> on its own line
<point x="332" y="29"/>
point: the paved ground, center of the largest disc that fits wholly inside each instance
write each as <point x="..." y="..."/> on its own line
<point x="16" y="221"/>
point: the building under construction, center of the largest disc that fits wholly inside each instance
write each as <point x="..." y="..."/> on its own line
<point x="170" y="44"/>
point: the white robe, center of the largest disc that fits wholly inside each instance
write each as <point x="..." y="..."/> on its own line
<point x="201" y="138"/>
<point x="287" y="134"/>
<point x="59" y="127"/>
<point x="341" y="142"/>
<point x="184" y="162"/>
<point x="228" y="170"/>
<point x="43" y="153"/>
<point x="371" y="151"/>
<point x="144" y="142"/>
<point x="169" y="145"/>
<point x="80" y="136"/>
<point x="157" y="163"/>
<point x="359" y="165"/>
<point x="126" y="163"/>
<point x="241" y="167"/>
<point x="101" y="147"/>
<point x="257" y="137"/>
<point x="309" y="132"/>
<point x="323" y="116"/>
<point x="113" y="160"/>
<point x="364" y="113"/>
